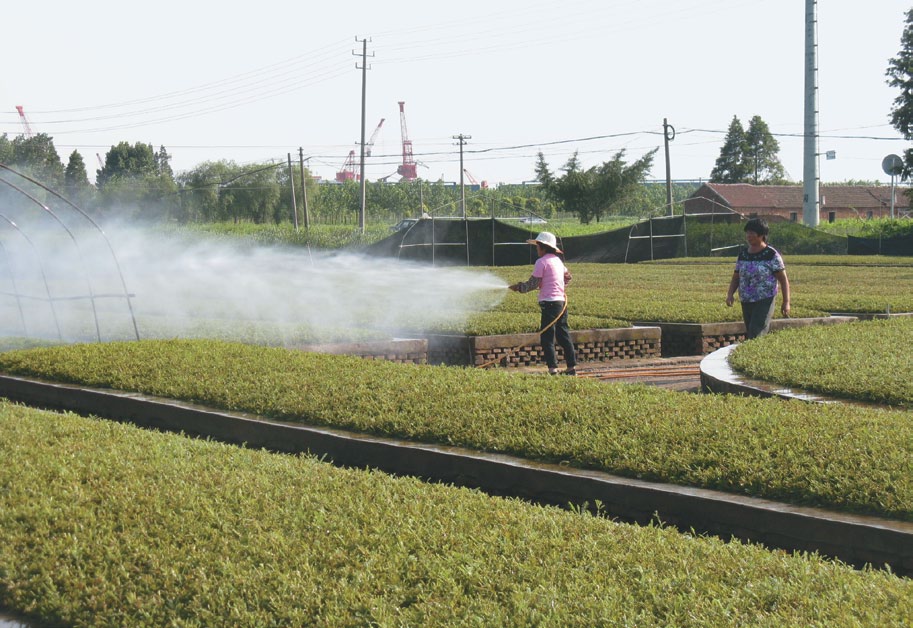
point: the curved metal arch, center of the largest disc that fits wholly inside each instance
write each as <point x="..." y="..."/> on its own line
<point x="75" y="243"/>
<point x="16" y="295"/>
<point x="44" y="277"/>
<point x="97" y="227"/>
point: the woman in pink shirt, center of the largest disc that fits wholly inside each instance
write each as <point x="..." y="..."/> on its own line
<point x="550" y="276"/>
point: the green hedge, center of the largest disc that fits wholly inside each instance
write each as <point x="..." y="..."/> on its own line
<point x="103" y="524"/>
<point x="320" y="236"/>
<point x="838" y="457"/>
<point x="787" y="237"/>
<point x="797" y="260"/>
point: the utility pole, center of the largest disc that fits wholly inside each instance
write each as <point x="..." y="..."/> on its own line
<point x="421" y="198"/>
<point x="364" y="83"/>
<point x="304" y="189"/>
<point x="667" y="130"/>
<point x="291" y="180"/>
<point x="461" y="138"/>
<point x="810" y="199"/>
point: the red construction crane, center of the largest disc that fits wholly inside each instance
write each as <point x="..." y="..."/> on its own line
<point x="407" y="169"/>
<point x="473" y="181"/>
<point x="370" y="143"/>
<point x="348" y="170"/>
<point x="25" y="121"/>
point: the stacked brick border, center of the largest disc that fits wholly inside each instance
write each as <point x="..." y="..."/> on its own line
<point x="517" y="350"/>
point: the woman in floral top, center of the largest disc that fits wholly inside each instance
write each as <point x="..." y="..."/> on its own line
<point x="759" y="270"/>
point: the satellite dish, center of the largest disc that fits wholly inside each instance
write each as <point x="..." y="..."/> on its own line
<point x="892" y="165"/>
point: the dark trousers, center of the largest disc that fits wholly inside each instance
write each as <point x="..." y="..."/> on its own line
<point x="757" y="315"/>
<point x="559" y="331"/>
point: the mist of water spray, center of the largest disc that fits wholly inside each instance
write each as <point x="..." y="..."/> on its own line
<point x="185" y="287"/>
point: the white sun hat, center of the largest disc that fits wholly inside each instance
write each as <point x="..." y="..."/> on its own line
<point x="548" y="239"/>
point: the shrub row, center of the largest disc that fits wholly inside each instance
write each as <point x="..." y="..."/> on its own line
<point x="789" y="238"/>
<point x="799" y="260"/>
<point x="838" y="457"/>
<point x="103" y="524"/>
<point x="317" y="236"/>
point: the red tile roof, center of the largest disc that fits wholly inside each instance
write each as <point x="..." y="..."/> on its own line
<point x="745" y="198"/>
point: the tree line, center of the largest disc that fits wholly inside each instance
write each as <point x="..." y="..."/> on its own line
<point x="136" y="182"/>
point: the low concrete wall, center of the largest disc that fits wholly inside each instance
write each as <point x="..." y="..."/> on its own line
<point x="868" y="316"/>
<point x="854" y="539"/>
<point x="702" y="338"/>
<point x="513" y="350"/>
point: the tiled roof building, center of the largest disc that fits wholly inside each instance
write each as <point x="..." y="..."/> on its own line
<point x="785" y="201"/>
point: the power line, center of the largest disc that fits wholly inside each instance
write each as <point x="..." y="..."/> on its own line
<point x="258" y="73"/>
<point x="821" y="135"/>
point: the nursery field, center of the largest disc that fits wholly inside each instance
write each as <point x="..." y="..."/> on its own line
<point x="691" y="292"/>
<point x="837" y="457"/>
<point x="868" y="360"/>
<point x="104" y="524"/>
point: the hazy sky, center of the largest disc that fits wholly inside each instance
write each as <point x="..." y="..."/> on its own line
<point x="252" y="82"/>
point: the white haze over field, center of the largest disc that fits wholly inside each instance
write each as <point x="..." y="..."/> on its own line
<point x="185" y="286"/>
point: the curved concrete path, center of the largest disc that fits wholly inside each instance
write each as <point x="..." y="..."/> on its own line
<point x="857" y="540"/>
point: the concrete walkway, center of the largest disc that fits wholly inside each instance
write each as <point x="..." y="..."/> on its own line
<point x="681" y="373"/>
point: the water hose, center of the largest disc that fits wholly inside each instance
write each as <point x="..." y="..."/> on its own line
<point x="513" y="350"/>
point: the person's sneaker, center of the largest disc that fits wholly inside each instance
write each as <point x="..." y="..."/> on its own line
<point x="553" y="371"/>
<point x="571" y="372"/>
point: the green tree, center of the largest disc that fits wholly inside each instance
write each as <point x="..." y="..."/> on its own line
<point x="730" y="165"/>
<point x="76" y="181"/>
<point x="138" y="183"/>
<point x="649" y="199"/>
<point x="337" y="203"/>
<point x="283" y="209"/>
<point x="536" y="207"/>
<point x="254" y="195"/>
<point x="162" y="161"/>
<point x="761" y="154"/>
<point x="200" y="191"/>
<point x="900" y="75"/>
<point x="127" y="162"/>
<point x="749" y="156"/>
<point x="223" y="191"/>
<point x="37" y="157"/>
<point x="6" y="150"/>
<point x="590" y="193"/>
